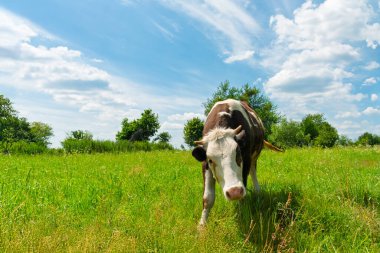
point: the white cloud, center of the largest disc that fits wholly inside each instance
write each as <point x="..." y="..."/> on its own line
<point x="240" y="57"/>
<point x="317" y="25"/>
<point x="349" y="125"/>
<point x="344" y="115"/>
<point x="231" y="25"/>
<point x="314" y="54"/>
<point x="372" y="65"/>
<point x="374" y="97"/>
<point x="14" y="30"/>
<point x="369" y="81"/>
<point x="371" y="111"/>
<point x="185" y="116"/>
<point x="171" y="126"/>
<point x="100" y="99"/>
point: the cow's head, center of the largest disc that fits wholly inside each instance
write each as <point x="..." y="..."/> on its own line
<point x="220" y="150"/>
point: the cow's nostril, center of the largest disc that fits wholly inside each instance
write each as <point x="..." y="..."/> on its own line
<point x="228" y="195"/>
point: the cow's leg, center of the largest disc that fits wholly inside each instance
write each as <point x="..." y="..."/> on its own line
<point x="253" y="174"/>
<point x="208" y="195"/>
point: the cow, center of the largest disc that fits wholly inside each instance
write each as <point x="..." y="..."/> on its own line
<point x="233" y="137"/>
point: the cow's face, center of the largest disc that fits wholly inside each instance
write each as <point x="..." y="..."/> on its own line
<point x="222" y="153"/>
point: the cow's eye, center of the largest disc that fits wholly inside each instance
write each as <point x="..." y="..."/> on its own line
<point x="210" y="161"/>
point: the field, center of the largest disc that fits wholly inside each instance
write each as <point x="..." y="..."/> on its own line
<point x="312" y="200"/>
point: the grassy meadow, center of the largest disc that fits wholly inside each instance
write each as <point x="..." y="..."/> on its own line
<point x="312" y="200"/>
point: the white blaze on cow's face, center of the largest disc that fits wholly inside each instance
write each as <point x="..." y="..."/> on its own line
<point x="222" y="152"/>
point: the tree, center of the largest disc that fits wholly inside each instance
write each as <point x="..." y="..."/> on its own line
<point x="320" y="132"/>
<point x="163" y="137"/>
<point x="14" y="129"/>
<point x="288" y="134"/>
<point x="80" y="135"/>
<point x="327" y="136"/>
<point x="41" y="132"/>
<point x="344" y="141"/>
<point x="368" y="139"/>
<point x="6" y="108"/>
<point x="253" y="96"/>
<point x="310" y="125"/>
<point x="140" y="129"/>
<point x="193" y="131"/>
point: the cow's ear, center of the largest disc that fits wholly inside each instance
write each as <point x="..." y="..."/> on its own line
<point x="199" y="153"/>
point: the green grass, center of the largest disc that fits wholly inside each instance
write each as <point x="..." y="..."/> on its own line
<point x="312" y="200"/>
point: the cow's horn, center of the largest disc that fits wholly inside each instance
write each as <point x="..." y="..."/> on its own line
<point x="199" y="142"/>
<point x="237" y="130"/>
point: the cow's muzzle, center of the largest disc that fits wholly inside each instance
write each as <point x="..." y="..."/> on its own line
<point x="235" y="193"/>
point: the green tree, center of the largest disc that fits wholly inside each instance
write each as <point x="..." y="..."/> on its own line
<point x="41" y="132"/>
<point x="193" y="131"/>
<point x="344" y="141"/>
<point x="310" y="125"/>
<point x="288" y="134"/>
<point x="80" y="135"/>
<point x="253" y="96"/>
<point x="14" y="129"/>
<point x="327" y="136"/>
<point x="163" y="137"/>
<point x="368" y="139"/>
<point x="139" y="129"/>
<point x="6" y="108"/>
<point x="320" y="132"/>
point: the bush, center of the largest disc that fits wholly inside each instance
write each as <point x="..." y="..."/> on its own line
<point x="98" y="146"/>
<point x="288" y="134"/>
<point x="22" y="147"/>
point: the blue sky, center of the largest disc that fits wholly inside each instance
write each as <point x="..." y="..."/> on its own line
<point x="89" y="64"/>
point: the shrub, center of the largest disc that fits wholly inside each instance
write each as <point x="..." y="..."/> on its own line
<point x="288" y="134"/>
<point x="22" y="147"/>
<point x="99" y="146"/>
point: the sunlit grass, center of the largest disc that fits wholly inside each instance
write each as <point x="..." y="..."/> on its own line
<point x="312" y="200"/>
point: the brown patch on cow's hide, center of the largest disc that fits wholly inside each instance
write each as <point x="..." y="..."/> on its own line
<point x="258" y="138"/>
<point x="214" y="118"/>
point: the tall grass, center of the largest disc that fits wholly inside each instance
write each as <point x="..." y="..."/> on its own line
<point x="312" y="200"/>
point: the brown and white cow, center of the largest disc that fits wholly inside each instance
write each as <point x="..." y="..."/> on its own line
<point x="233" y="137"/>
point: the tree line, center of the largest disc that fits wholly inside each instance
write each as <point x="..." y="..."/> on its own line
<point x="17" y="134"/>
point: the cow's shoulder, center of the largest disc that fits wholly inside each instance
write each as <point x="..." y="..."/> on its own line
<point x="253" y="115"/>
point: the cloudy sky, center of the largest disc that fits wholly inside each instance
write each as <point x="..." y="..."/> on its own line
<point x="88" y="64"/>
